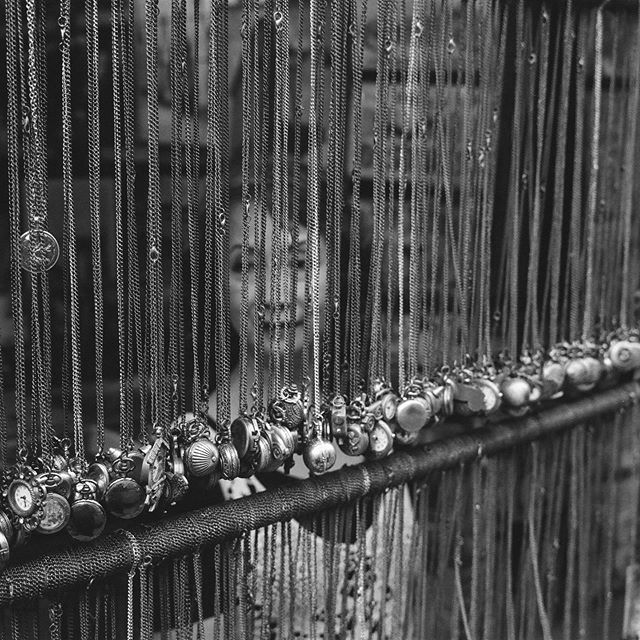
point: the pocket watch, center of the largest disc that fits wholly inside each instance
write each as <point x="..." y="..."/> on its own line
<point x="7" y="528"/>
<point x="552" y="376"/>
<point x="319" y="454"/>
<point x="124" y="497"/>
<point x="414" y="410"/>
<point x="380" y="440"/>
<point x="355" y="442"/>
<point x="245" y="432"/>
<point x="491" y="396"/>
<point x="201" y="457"/>
<point x="5" y="551"/>
<point x="60" y="482"/>
<point x="156" y="460"/>
<point x="288" y="408"/>
<point x="88" y="517"/>
<point x="56" y="513"/>
<point x="337" y="416"/>
<point x="99" y="472"/>
<point x="386" y="398"/>
<point x="24" y="495"/>
<point x="468" y="398"/>
<point x="625" y="355"/>
<point x="229" y="460"/>
<point x="175" y="488"/>
<point x="516" y="393"/>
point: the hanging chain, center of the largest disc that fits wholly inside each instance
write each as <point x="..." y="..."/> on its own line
<point x="93" y="124"/>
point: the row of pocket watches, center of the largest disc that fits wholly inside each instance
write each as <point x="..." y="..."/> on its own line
<point x="68" y="494"/>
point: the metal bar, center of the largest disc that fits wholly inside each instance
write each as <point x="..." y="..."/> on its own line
<point x="184" y="533"/>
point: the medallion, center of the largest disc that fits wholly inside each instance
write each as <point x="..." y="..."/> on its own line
<point x="39" y="250"/>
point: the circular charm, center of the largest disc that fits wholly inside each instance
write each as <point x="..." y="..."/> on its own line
<point x="413" y="413"/>
<point x="39" y="250"/>
<point x="380" y="440"/>
<point x="87" y="520"/>
<point x="125" y="498"/>
<point x="201" y="457"/>
<point x="244" y="435"/>
<point x="229" y="461"/>
<point x="24" y="497"/>
<point x="319" y="455"/>
<point x="5" y="551"/>
<point x="490" y="393"/>
<point x="57" y="512"/>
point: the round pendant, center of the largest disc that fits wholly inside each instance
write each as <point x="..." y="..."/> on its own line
<point x="125" y="498"/>
<point x="57" y="512"/>
<point x="319" y="455"/>
<point x="5" y="551"/>
<point x="39" y="250"/>
<point x="99" y="473"/>
<point x="229" y="461"/>
<point x="24" y="497"/>
<point x="87" y="520"/>
<point x="244" y="435"/>
<point x="201" y="457"/>
<point x="413" y="414"/>
<point x="491" y="396"/>
<point x="380" y="440"/>
<point x="356" y="440"/>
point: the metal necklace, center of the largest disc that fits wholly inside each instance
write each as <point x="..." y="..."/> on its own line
<point x="93" y="124"/>
<point x="356" y="354"/>
<point x="67" y="173"/>
<point x="593" y="179"/>
<point x="126" y="413"/>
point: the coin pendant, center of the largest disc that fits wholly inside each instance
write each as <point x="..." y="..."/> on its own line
<point x="39" y="250"/>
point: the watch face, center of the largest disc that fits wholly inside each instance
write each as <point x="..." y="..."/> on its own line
<point x="21" y="498"/>
<point x="56" y="514"/>
<point x="380" y="440"/>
